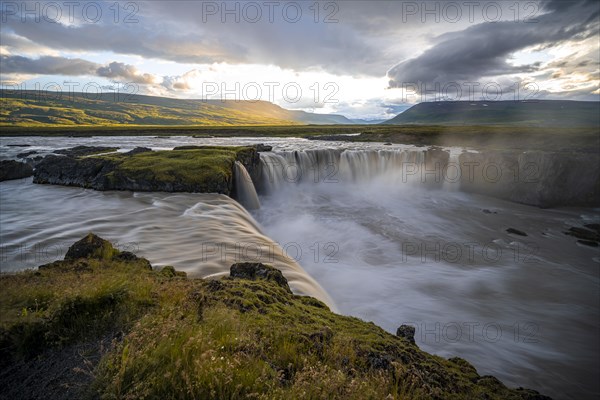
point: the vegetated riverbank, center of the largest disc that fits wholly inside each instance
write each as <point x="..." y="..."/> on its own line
<point x="493" y="136"/>
<point x="203" y="169"/>
<point x="103" y="324"/>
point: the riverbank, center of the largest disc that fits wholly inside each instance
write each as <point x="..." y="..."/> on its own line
<point x="495" y="136"/>
<point x="103" y="323"/>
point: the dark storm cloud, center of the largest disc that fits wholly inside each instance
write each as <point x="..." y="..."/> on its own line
<point x="49" y="65"/>
<point x="176" y="31"/>
<point x="482" y="50"/>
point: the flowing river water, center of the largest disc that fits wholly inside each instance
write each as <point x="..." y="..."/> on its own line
<point x="345" y="226"/>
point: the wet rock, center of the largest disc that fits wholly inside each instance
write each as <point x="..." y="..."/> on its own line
<point x="263" y="147"/>
<point x="594" y="227"/>
<point x="516" y="232"/>
<point x="138" y="150"/>
<point x="486" y="211"/>
<point x="26" y="154"/>
<point x="538" y="178"/>
<point x="407" y="332"/>
<point x="254" y="271"/>
<point x="584" y="234"/>
<point x="387" y="144"/>
<point x="588" y="243"/>
<point x="86" y="172"/>
<point x="10" y="169"/>
<point x="79" y="151"/>
<point x="18" y="145"/>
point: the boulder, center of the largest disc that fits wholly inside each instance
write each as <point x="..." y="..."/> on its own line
<point x="407" y="332"/>
<point x="584" y="234"/>
<point x="91" y="246"/>
<point x="516" y="232"/>
<point x="263" y="147"/>
<point x="254" y="271"/>
<point x="10" y="169"/>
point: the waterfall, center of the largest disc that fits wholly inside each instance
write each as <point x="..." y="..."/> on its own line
<point x="452" y="172"/>
<point x="535" y="178"/>
<point x="335" y="166"/>
<point x="244" y="188"/>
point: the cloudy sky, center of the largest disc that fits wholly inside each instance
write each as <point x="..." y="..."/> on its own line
<point x="362" y="59"/>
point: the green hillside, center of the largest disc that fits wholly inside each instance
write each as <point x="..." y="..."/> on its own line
<point x="551" y="113"/>
<point x="35" y="109"/>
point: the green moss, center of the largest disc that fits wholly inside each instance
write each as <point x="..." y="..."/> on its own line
<point x="227" y="339"/>
<point x="194" y="167"/>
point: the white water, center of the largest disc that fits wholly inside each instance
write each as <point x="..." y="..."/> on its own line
<point x="397" y="248"/>
<point x="246" y="192"/>
<point x="382" y="244"/>
<point x="201" y="234"/>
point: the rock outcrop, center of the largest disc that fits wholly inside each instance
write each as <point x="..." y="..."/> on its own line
<point x="253" y="271"/>
<point x="10" y="169"/>
<point x="543" y="179"/>
<point x="207" y="169"/>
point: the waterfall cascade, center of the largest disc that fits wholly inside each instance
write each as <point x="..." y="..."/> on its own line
<point x="244" y="188"/>
<point x="340" y="166"/>
<point x="535" y="178"/>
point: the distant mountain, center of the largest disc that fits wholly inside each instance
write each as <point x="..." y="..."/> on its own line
<point x="30" y="108"/>
<point x="536" y="113"/>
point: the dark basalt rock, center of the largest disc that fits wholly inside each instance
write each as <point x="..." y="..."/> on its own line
<point x="516" y="232"/>
<point x="79" y="151"/>
<point x="138" y="150"/>
<point x="486" y="211"/>
<point x="253" y="271"/>
<point x="18" y="145"/>
<point x="584" y="234"/>
<point x="379" y="361"/>
<point x="26" y="154"/>
<point x="538" y="178"/>
<point x="594" y="227"/>
<point x="407" y="332"/>
<point x="263" y="147"/>
<point x="10" y="169"/>
<point x="86" y="172"/>
<point x="588" y="243"/>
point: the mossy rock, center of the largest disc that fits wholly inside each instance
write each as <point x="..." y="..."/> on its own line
<point x="206" y="169"/>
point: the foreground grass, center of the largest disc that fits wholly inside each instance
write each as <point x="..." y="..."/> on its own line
<point x="178" y="338"/>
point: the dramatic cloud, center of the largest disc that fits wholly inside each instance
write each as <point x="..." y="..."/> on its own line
<point x="366" y="50"/>
<point x="127" y="73"/>
<point x="47" y="65"/>
<point x="483" y="50"/>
